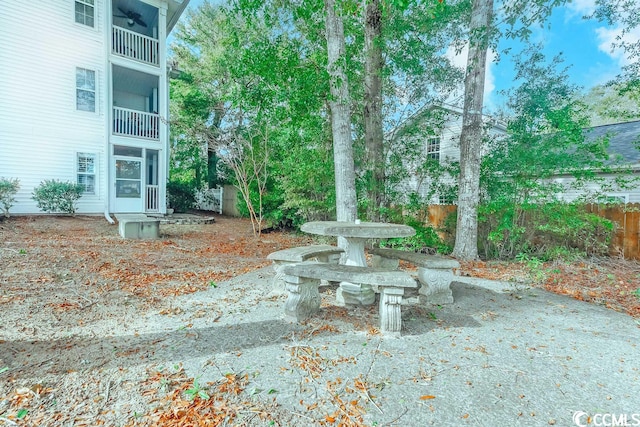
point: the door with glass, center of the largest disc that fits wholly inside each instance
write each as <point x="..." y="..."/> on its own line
<point x="128" y="195"/>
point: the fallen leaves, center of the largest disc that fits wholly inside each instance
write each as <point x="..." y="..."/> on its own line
<point x="186" y="403"/>
<point x="612" y="282"/>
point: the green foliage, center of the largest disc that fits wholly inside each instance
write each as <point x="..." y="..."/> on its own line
<point x="57" y="196"/>
<point x="181" y="195"/>
<point x="426" y="239"/>
<point x="196" y="390"/>
<point x="8" y="189"/>
<point x="520" y="213"/>
<point x="553" y="230"/>
<point x="248" y="66"/>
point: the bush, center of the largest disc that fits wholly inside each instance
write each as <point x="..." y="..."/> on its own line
<point x="546" y="231"/>
<point x="181" y="195"/>
<point x="57" y="196"/>
<point x="426" y="239"/>
<point x="8" y="189"/>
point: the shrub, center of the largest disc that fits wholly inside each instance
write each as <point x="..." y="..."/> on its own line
<point x="181" y="195"/>
<point x="8" y="189"/>
<point x="426" y="239"/>
<point x="547" y="231"/>
<point x="57" y="196"/>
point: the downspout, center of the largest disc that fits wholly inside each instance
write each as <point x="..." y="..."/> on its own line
<point x="107" y="216"/>
<point x="109" y="102"/>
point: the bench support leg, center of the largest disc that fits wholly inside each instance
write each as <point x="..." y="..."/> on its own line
<point x="436" y="285"/>
<point x="304" y="298"/>
<point x="279" y="285"/>
<point x="390" y="310"/>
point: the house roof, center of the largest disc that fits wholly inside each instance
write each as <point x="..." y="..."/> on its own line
<point x="448" y="108"/>
<point x="176" y="7"/>
<point x="624" y="139"/>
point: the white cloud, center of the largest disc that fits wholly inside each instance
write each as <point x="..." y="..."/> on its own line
<point x="580" y="8"/>
<point x="607" y="37"/>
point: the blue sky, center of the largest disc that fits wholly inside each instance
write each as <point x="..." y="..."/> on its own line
<point x="585" y="45"/>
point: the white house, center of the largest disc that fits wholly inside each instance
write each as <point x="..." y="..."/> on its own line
<point x="431" y="134"/>
<point x="434" y="133"/>
<point x="621" y="184"/>
<point x="84" y="98"/>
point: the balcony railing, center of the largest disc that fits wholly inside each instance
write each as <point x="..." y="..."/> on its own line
<point x="135" y="123"/>
<point x="135" y="46"/>
<point x="153" y="198"/>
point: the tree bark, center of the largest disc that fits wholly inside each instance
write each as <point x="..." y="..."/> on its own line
<point x="373" y="134"/>
<point x="466" y="246"/>
<point x="339" y="104"/>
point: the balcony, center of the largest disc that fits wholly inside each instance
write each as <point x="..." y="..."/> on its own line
<point x="135" y="104"/>
<point x="132" y="45"/>
<point x="134" y="31"/>
<point x="136" y="124"/>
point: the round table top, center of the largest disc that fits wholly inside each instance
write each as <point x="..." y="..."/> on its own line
<point x="363" y="230"/>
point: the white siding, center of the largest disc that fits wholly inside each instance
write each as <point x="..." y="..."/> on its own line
<point x="449" y="152"/>
<point x="40" y="129"/>
<point x="593" y="188"/>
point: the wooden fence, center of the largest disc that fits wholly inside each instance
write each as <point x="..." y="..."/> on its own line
<point x="627" y="218"/>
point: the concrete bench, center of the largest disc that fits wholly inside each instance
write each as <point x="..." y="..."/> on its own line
<point x="321" y="253"/>
<point x="435" y="272"/>
<point x="303" y="280"/>
<point x="138" y="226"/>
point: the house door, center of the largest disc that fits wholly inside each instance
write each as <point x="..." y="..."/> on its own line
<point x="127" y="168"/>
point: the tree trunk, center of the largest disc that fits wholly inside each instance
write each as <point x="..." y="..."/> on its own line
<point x="466" y="246"/>
<point x="373" y="134"/>
<point x="339" y="103"/>
<point x="212" y="158"/>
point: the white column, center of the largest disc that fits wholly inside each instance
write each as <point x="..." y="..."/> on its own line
<point x="163" y="110"/>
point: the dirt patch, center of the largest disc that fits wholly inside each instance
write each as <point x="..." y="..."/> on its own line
<point x="73" y="286"/>
<point x="77" y="346"/>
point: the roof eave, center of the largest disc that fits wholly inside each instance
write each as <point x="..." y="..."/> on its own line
<point x="175" y="10"/>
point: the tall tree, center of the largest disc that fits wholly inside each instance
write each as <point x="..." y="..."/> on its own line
<point x="373" y="133"/>
<point x="340" y="104"/>
<point x="466" y="246"/>
<point x="519" y="17"/>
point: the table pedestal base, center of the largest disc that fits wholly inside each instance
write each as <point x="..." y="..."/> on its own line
<point x="352" y="294"/>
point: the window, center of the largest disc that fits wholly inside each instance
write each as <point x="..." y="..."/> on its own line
<point x="85" y="90"/>
<point x="615" y="198"/>
<point x="446" y="199"/>
<point x="85" y="11"/>
<point x="433" y="148"/>
<point x="86" y="169"/>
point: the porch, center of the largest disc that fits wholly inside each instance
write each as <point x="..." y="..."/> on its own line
<point x="137" y="177"/>
<point x="135" y="104"/>
<point x="135" y="123"/>
<point x="134" y="33"/>
<point x="132" y="45"/>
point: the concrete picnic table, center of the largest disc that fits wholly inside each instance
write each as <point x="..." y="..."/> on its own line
<point x="356" y="234"/>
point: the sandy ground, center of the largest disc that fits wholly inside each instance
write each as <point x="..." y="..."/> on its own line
<point x="187" y="330"/>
